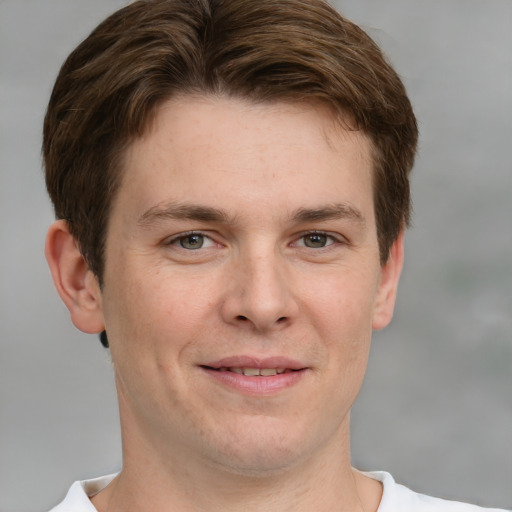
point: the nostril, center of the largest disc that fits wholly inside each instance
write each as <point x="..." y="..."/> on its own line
<point x="241" y="317"/>
<point x="282" y="319"/>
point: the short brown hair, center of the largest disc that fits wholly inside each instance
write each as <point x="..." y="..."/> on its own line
<point x="264" y="50"/>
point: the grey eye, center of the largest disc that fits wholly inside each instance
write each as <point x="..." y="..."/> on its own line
<point x="192" y="242"/>
<point x="315" y="240"/>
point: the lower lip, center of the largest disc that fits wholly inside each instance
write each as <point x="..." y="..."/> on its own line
<point x="258" y="385"/>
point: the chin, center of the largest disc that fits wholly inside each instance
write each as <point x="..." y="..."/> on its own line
<point x="263" y="450"/>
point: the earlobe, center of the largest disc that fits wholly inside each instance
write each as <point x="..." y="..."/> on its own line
<point x="388" y="285"/>
<point x="77" y="286"/>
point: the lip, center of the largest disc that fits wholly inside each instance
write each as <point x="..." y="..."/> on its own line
<point x="258" y="385"/>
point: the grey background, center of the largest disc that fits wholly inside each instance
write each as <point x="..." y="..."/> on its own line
<point x="436" y="408"/>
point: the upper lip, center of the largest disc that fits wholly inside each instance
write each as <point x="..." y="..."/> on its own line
<point x="255" y="362"/>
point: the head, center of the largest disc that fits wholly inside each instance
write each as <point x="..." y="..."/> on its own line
<point x="233" y="182"/>
<point x="111" y="85"/>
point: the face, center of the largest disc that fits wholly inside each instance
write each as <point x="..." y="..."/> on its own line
<point x="242" y="282"/>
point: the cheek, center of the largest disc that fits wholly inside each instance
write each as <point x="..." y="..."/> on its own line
<point x="341" y="309"/>
<point x="153" y="323"/>
<point x="157" y="309"/>
<point x="343" y="299"/>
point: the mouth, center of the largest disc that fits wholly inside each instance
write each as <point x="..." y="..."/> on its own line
<point x="253" y="372"/>
<point x="256" y="376"/>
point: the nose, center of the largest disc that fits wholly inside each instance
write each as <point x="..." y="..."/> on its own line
<point x="260" y="295"/>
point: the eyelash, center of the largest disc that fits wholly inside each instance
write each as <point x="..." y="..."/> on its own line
<point x="334" y="240"/>
<point x="182" y="236"/>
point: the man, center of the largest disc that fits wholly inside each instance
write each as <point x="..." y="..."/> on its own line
<point x="231" y="186"/>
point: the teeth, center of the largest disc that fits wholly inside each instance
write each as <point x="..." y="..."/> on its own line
<point x="254" y="372"/>
<point x="251" y="372"/>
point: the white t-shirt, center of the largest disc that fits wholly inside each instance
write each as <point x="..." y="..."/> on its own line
<point x="395" y="498"/>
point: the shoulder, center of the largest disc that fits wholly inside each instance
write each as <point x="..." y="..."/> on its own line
<point x="77" y="498"/>
<point x="398" y="498"/>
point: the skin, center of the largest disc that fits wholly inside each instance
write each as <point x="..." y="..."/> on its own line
<point x="280" y="197"/>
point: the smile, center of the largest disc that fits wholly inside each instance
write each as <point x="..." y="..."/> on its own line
<point x="254" y="376"/>
<point x="255" y="372"/>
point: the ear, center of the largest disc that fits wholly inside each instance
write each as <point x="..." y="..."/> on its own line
<point x="388" y="284"/>
<point x="77" y="286"/>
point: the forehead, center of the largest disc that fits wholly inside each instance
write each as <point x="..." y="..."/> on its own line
<point x="230" y="152"/>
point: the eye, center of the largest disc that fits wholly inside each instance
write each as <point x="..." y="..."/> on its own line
<point x="192" y="241"/>
<point x="316" y="240"/>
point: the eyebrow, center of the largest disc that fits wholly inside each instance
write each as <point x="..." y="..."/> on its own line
<point x="330" y="212"/>
<point x="179" y="211"/>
